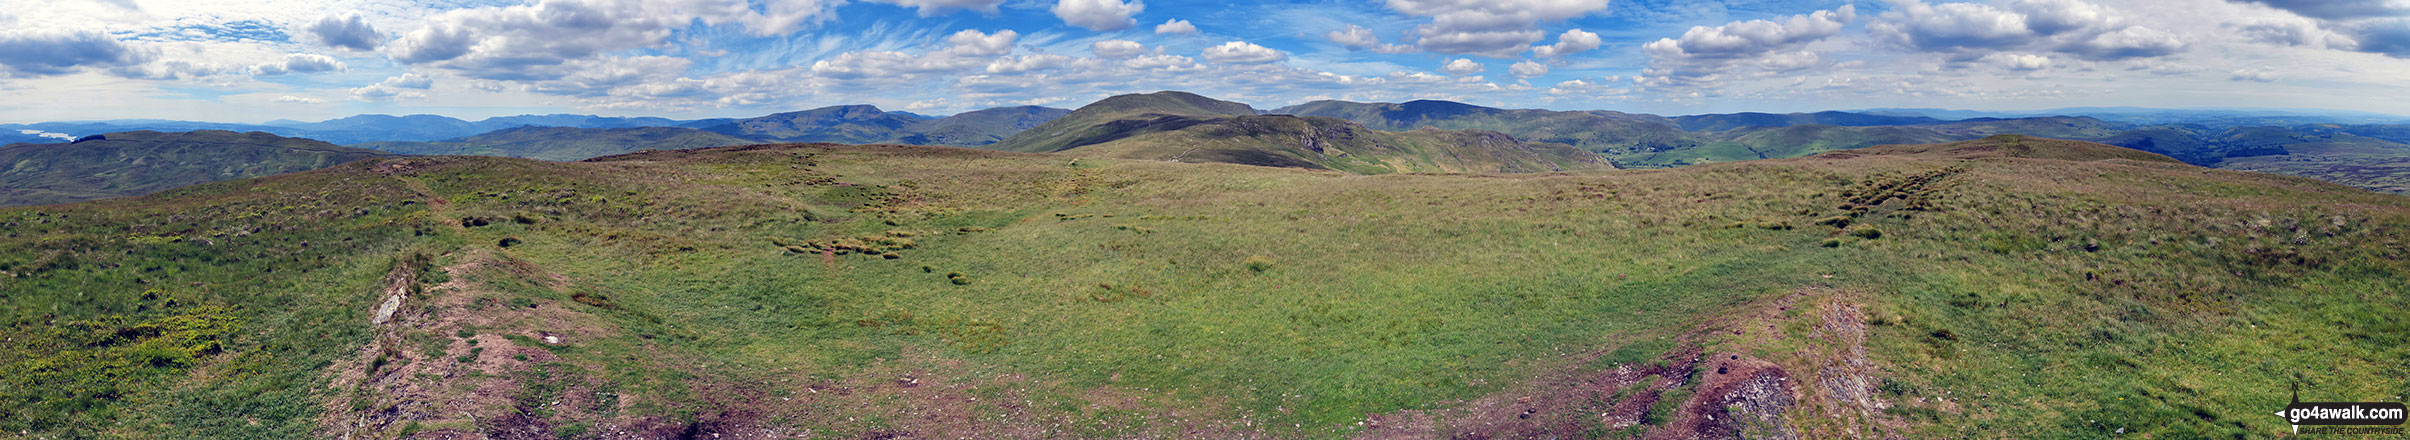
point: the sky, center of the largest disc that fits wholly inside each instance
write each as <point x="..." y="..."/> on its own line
<point x="309" y="60"/>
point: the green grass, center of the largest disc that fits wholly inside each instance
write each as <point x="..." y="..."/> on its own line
<point x="2037" y="297"/>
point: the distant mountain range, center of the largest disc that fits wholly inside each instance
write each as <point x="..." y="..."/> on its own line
<point x="1413" y="136"/>
<point x="1184" y="127"/>
<point x="842" y="124"/>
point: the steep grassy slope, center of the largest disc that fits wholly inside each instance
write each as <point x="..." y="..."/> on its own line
<point x="1117" y="117"/>
<point x="143" y="162"/>
<point x="564" y="143"/>
<point x="2013" y="287"/>
<point x="1603" y="131"/>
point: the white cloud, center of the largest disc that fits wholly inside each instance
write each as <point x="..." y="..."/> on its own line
<point x="298" y="63"/>
<point x="1497" y="28"/>
<point x="1705" y="54"/>
<point x="1027" y="63"/>
<point x="2294" y="31"/>
<point x="964" y="50"/>
<point x="1571" y="42"/>
<point x="529" y="42"/>
<point x="1116" y="49"/>
<point x="1175" y="27"/>
<point x="1953" y="26"/>
<point x="1358" y="38"/>
<point x="1461" y="67"/>
<point x="1971" y="31"/>
<point x="409" y="81"/>
<point x="379" y="92"/>
<point x="2340" y="9"/>
<point x="1240" y="52"/>
<point x="289" y="99"/>
<point x="2019" y="62"/>
<point x="1099" y="15"/>
<point x="1354" y="37"/>
<point x="2254" y="75"/>
<point x="1527" y="69"/>
<point x="932" y="8"/>
<point x="348" y="32"/>
<point x="1752" y="38"/>
<point x="2132" y="42"/>
<point x="1161" y="62"/>
<point x="974" y="43"/>
<point x="29" y="53"/>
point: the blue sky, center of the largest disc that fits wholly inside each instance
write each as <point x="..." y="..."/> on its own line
<point x="257" y="60"/>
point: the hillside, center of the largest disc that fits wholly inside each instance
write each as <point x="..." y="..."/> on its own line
<point x="1183" y="127"/>
<point x="1722" y="122"/>
<point x="1602" y="131"/>
<point x="979" y="127"/>
<point x="1779" y="142"/>
<point x="863" y="124"/>
<point x="1115" y="117"/>
<point x="142" y="162"/>
<point x="923" y="292"/>
<point x="564" y="143"/>
<point x="1332" y="144"/>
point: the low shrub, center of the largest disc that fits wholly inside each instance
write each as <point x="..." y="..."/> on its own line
<point x="1259" y="263"/>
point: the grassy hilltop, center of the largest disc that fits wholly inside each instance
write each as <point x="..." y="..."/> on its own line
<point x="2004" y="287"/>
<point x="141" y="162"/>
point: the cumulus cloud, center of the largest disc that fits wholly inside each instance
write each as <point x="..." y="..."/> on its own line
<point x="1706" y="53"/>
<point x="2253" y="75"/>
<point x="1116" y="49"/>
<point x="1358" y="38"/>
<point x="347" y="32"/>
<point x="1161" y="62"/>
<point x="965" y="49"/>
<point x="2340" y="9"/>
<point x="1354" y="37"/>
<point x="2132" y="42"/>
<point x="409" y="81"/>
<point x="1028" y="63"/>
<point x="932" y="8"/>
<point x="1175" y="27"/>
<point x="298" y="63"/>
<point x="299" y="100"/>
<point x="1971" y="31"/>
<point x="1571" y="42"/>
<point x="1497" y="28"/>
<point x="1099" y="15"/>
<point x="1527" y="69"/>
<point x="1240" y="52"/>
<point x="379" y="92"/>
<point x="2373" y="26"/>
<point x="2294" y="32"/>
<point x="2019" y="62"/>
<point x="25" y="53"/>
<point x="1751" y="38"/>
<point x="1461" y="66"/>
<point x="529" y="42"/>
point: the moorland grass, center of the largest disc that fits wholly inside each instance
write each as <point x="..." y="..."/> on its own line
<point x="2016" y="297"/>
